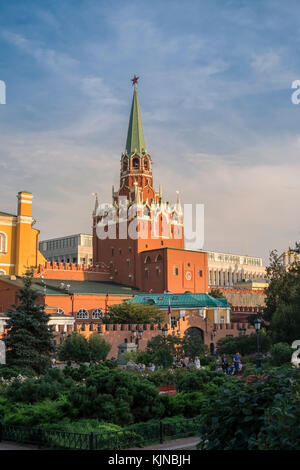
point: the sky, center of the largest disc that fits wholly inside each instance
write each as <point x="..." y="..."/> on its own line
<point x="215" y="96"/>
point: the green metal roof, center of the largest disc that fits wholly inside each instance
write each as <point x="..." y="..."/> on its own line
<point x="135" y="137"/>
<point x="186" y="300"/>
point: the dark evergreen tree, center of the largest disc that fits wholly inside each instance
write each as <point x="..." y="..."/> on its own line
<point x="29" y="340"/>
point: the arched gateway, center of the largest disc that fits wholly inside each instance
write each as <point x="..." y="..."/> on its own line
<point x="195" y="332"/>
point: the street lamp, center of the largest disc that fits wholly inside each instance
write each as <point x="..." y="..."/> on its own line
<point x="257" y="324"/>
<point x="164" y="333"/>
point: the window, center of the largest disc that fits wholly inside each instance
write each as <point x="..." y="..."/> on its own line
<point x="82" y="314"/>
<point x="200" y="272"/>
<point x="97" y="314"/>
<point x="60" y="311"/>
<point x="147" y="259"/>
<point x="158" y="258"/>
<point x="175" y="270"/>
<point x="136" y="163"/>
<point x="3" y="242"/>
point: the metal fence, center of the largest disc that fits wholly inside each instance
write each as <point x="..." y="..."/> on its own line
<point x="137" y="435"/>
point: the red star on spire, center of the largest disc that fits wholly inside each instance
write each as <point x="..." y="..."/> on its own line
<point x="134" y="80"/>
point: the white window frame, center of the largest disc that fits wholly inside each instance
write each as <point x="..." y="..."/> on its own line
<point x="82" y="314"/>
<point x="3" y="242"/>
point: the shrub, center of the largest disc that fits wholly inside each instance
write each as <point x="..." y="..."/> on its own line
<point x="32" y="390"/>
<point x="281" y="353"/>
<point x="238" y="418"/>
<point x="244" y="344"/>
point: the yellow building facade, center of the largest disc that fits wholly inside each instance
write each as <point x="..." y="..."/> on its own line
<point x="19" y="241"/>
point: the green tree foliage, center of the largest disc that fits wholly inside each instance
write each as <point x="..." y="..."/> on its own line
<point x="78" y="349"/>
<point x="284" y="286"/>
<point x="244" y="344"/>
<point x="116" y="396"/>
<point x="217" y="294"/>
<point x="163" y="350"/>
<point x="74" y="348"/>
<point x="135" y="314"/>
<point x="285" y="323"/>
<point x="197" y="380"/>
<point x="281" y="353"/>
<point x="98" y="348"/>
<point x="245" y="415"/>
<point x="193" y="346"/>
<point x="29" y="340"/>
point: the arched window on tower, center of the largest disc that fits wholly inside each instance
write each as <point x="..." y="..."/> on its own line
<point x="3" y="242"/>
<point x="136" y="163"/>
<point x="146" y="164"/>
<point x="147" y="259"/>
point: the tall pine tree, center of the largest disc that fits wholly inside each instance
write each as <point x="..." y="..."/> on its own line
<point x="29" y="340"/>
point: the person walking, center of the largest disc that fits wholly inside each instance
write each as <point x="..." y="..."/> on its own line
<point x="236" y="361"/>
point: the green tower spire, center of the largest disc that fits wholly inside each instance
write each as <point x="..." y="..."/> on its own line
<point x="135" y="142"/>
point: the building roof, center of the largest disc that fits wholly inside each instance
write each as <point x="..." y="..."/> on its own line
<point x="135" y="142"/>
<point x="7" y="214"/>
<point x="186" y="300"/>
<point x="58" y="286"/>
<point x="66" y="236"/>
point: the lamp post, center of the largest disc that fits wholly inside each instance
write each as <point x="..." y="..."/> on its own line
<point x="257" y="324"/>
<point x="164" y="333"/>
<point x="138" y="334"/>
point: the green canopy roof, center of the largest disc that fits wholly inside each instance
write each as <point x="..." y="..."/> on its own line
<point x="186" y="300"/>
<point x="135" y="142"/>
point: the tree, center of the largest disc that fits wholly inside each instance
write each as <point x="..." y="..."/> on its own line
<point x="244" y="344"/>
<point x="284" y="286"/>
<point x="98" y="348"/>
<point x="135" y="313"/>
<point x="163" y="350"/>
<point x="193" y="346"/>
<point x="285" y="323"/>
<point x="74" y="348"/>
<point x="217" y="294"/>
<point x="29" y="340"/>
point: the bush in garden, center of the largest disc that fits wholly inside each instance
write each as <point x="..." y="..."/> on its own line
<point x="117" y="396"/>
<point x="195" y="380"/>
<point x="184" y="404"/>
<point x="47" y="411"/>
<point x="238" y="419"/>
<point x="11" y="372"/>
<point x="281" y="353"/>
<point x="32" y="390"/>
<point x="281" y="426"/>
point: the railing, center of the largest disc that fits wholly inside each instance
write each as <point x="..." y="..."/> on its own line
<point x="136" y="435"/>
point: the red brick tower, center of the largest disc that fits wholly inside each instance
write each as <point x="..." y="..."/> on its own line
<point x="150" y="224"/>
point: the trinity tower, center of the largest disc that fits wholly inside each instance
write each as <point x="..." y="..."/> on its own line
<point x="144" y="232"/>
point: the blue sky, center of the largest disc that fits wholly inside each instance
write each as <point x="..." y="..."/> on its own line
<point x="215" y="94"/>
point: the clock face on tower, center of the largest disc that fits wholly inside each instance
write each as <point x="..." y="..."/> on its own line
<point x="188" y="275"/>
